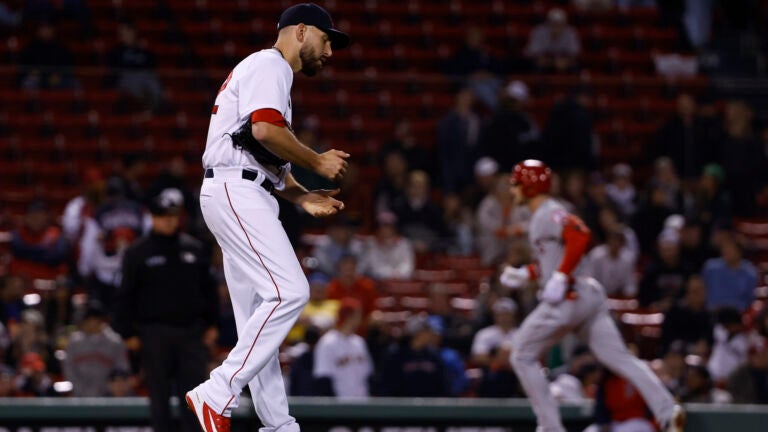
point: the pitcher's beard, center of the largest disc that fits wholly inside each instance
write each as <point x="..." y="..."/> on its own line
<point x="311" y="63"/>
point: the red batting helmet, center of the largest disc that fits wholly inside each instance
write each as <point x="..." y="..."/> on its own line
<point x="533" y="175"/>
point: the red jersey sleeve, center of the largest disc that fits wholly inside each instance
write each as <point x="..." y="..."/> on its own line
<point x="576" y="237"/>
<point x="268" y="115"/>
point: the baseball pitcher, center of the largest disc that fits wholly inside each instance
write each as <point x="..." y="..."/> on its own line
<point x="570" y="301"/>
<point x="247" y="160"/>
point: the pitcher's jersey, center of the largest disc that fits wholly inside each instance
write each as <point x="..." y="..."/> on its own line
<point x="545" y="233"/>
<point x="262" y="80"/>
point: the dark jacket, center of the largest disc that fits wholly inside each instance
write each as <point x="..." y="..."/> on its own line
<point x="167" y="281"/>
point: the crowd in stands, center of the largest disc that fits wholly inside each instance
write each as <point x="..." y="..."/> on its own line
<point x="385" y="317"/>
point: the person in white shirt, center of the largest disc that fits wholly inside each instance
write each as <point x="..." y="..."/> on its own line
<point x="621" y="190"/>
<point x="342" y="362"/>
<point x="388" y="255"/>
<point x="613" y="265"/>
<point x="498" y="335"/>
<point x="731" y="347"/>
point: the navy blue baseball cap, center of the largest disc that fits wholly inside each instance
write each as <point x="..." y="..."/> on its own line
<point x="314" y="15"/>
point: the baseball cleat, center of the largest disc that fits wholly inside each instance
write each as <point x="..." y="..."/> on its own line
<point x="677" y="422"/>
<point x="210" y="420"/>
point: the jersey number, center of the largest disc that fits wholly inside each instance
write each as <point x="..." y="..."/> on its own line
<point x="226" y="81"/>
<point x="221" y="89"/>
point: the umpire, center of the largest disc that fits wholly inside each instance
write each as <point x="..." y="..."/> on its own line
<point x="167" y="305"/>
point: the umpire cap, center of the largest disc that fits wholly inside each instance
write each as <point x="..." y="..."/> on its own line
<point x="313" y="15"/>
<point x="169" y="201"/>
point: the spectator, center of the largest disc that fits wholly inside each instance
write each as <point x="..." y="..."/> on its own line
<point x="342" y="362"/>
<point x="554" y="46"/>
<point x="457" y="140"/>
<point x="683" y="140"/>
<point x="499" y="379"/>
<point x="132" y="172"/>
<point x="394" y="178"/>
<point x="418" y="217"/>
<point x="664" y="276"/>
<point x="339" y="242"/>
<point x="413" y="368"/>
<point x="133" y="65"/>
<point x="577" y="385"/>
<point x="498" y="335"/>
<point x="46" y="63"/>
<point x="567" y="142"/>
<point x="33" y="379"/>
<point x="609" y="220"/>
<point x="83" y="206"/>
<point x="499" y="221"/>
<point x="486" y="175"/>
<point x="459" y="221"/>
<point x="749" y="383"/>
<point x="693" y="248"/>
<point x="121" y="384"/>
<point x="613" y="265"/>
<point x="475" y="65"/>
<point x="620" y="407"/>
<point x="29" y="335"/>
<point x="350" y="283"/>
<point x="731" y="345"/>
<point x="742" y="158"/>
<point x="621" y="190"/>
<point x="11" y="299"/>
<point x="114" y="226"/>
<point x="649" y="219"/>
<point x="319" y="313"/>
<point x="93" y="353"/>
<point x="456" y="332"/>
<point x="388" y="255"/>
<point x="405" y="142"/>
<point x="730" y="279"/>
<point x="711" y="201"/>
<point x="456" y="381"/>
<point x="674" y="367"/>
<point x="7" y="381"/>
<point x="665" y="177"/>
<point x="699" y="387"/>
<point x="688" y="320"/>
<point x="301" y="378"/>
<point x="38" y="247"/>
<point x="511" y="133"/>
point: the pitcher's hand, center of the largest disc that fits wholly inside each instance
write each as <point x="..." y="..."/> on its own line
<point x="319" y="203"/>
<point x="332" y="165"/>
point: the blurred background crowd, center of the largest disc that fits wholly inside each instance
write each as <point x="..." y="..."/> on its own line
<point x="436" y="101"/>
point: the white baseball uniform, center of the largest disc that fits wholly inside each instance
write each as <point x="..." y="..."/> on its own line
<point x="346" y="361"/>
<point x="265" y="280"/>
<point x="584" y="312"/>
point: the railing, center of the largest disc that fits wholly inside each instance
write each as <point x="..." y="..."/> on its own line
<point x="375" y="414"/>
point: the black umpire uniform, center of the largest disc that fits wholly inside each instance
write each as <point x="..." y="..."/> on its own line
<point x="168" y="298"/>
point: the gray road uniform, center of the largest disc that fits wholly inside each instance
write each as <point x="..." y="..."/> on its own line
<point x="580" y="309"/>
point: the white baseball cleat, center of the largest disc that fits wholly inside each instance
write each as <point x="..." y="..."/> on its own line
<point x="677" y="422"/>
<point x="210" y="420"/>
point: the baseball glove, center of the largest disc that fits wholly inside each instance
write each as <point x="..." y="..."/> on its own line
<point x="243" y="139"/>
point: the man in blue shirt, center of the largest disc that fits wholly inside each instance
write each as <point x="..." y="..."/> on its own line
<point x="730" y="279"/>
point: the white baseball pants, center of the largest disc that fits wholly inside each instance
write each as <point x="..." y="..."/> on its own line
<point x="588" y="317"/>
<point x="268" y="290"/>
